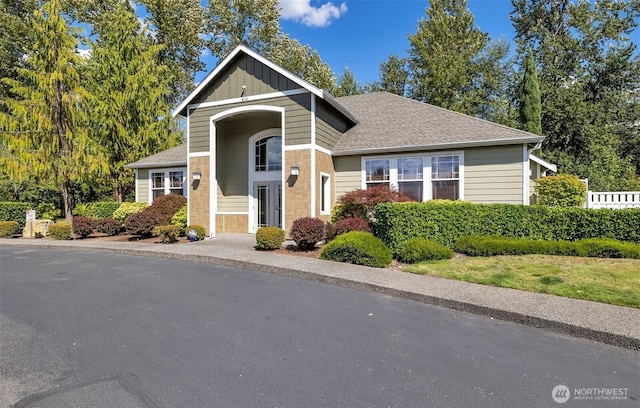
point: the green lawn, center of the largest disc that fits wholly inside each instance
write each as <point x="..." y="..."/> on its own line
<point x="614" y="281"/>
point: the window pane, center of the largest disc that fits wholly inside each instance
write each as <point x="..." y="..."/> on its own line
<point x="377" y="170"/>
<point x="410" y="169"/>
<point x="178" y="191"/>
<point x="445" y="167"/>
<point x="445" y="190"/>
<point x="274" y="148"/>
<point x="261" y="155"/>
<point x="157" y="194"/>
<point x="176" y="179"/>
<point x="370" y="185"/>
<point x="157" y="180"/>
<point x="411" y="189"/>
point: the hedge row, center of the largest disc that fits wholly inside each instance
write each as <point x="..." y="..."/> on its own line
<point x="15" y="211"/>
<point x="98" y="209"/>
<point x="591" y="247"/>
<point x="446" y="222"/>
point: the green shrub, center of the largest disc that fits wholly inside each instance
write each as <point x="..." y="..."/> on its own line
<point x="445" y="223"/>
<point x="357" y="247"/>
<point x="104" y="209"/>
<point x="168" y="233"/>
<point x="307" y="232"/>
<point x="9" y="228"/>
<point x="200" y="231"/>
<point x="83" y="226"/>
<point x="180" y="219"/>
<point x="563" y="190"/>
<point x="47" y="211"/>
<point x="344" y="225"/>
<point x="142" y="223"/>
<point x="422" y="249"/>
<point x="166" y="207"/>
<point x="82" y="210"/>
<point x="269" y="238"/>
<point x="594" y="247"/>
<point x="126" y="209"/>
<point x="15" y="211"/>
<point x="60" y="231"/>
<point x="109" y="226"/>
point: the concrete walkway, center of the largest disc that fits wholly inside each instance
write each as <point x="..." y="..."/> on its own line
<point x="601" y="322"/>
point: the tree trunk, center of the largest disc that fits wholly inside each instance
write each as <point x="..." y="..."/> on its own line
<point x="67" y="200"/>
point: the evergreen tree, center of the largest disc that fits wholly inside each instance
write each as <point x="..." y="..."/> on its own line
<point x="44" y="129"/>
<point x="589" y="80"/>
<point x="393" y="76"/>
<point x="442" y="55"/>
<point x="129" y="112"/>
<point x="530" y="105"/>
<point x="347" y="85"/>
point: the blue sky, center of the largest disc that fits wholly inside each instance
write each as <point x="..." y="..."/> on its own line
<point x="361" y="34"/>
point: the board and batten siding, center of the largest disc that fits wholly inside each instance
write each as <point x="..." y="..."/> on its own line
<point x="143" y="185"/>
<point x="257" y="78"/>
<point x="329" y="126"/>
<point x="493" y="174"/>
<point x="297" y="123"/>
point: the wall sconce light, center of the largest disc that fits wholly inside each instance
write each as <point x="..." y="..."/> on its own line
<point x="295" y="169"/>
<point x="196" y="174"/>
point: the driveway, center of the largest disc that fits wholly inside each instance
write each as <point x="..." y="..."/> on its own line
<point x="97" y="329"/>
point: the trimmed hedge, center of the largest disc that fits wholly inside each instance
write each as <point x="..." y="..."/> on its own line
<point x="142" y="223"/>
<point x="422" y="249"/>
<point x="168" y="233"/>
<point x="269" y="238"/>
<point x="357" y="247"/>
<point x="447" y="222"/>
<point x="166" y="207"/>
<point x="97" y="210"/>
<point x="592" y="247"/>
<point x="109" y="226"/>
<point x="9" y="228"/>
<point x="344" y="225"/>
<point x="83" y="226"/>
<point x="15" y="211"/>
<point x="60" y="231"/>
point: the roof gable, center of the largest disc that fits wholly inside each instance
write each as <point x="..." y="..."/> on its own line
<point x="174" y="157"/>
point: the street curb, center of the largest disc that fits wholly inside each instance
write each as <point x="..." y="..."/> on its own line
<point x="495" y="313"/>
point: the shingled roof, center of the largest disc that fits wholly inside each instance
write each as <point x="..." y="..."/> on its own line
<point x="174" y="157"/>
<point x="392" y="123"/>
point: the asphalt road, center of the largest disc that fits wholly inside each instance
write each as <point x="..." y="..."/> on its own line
<point x="104" y="330"/>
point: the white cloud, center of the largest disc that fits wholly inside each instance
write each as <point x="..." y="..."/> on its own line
<point x="304" y="12"/>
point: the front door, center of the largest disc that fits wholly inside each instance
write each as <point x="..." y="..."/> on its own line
<point x="267" y="201"/>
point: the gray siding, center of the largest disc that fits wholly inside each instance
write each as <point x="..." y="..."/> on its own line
<point x="348" y="176"/>
<point x="493" y="174"/>
<point x="297" y="120"/>
<point x="245" y="71"/>
<point x="143" y="185"/>
<point x="329" y="125"/>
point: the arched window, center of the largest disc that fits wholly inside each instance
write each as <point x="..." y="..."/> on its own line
<point x="269" y="154"/>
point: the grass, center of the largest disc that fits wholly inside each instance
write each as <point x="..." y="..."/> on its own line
<point x="614" y="281"/>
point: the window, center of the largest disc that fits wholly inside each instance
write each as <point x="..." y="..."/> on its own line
<point x="417" y="177"/>
<point x="167" y="182"/>
<point x="410" y="178"/>
<point x="377" y="172"/>
<point x="325" y="194"/>
<point x="445" y="177"/>
<point x="269" y="154"/>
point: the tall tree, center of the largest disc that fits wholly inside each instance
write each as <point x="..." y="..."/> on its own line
<point x="442" y="54"/>
<point x="589" y="81"/>
<point x="44" y="128"/>
<point x="347" y="84"/>
<point x="130" y="115"/>
<point x="393" y="76"/>
<point x="530" y="106"/>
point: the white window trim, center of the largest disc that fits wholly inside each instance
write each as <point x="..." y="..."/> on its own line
<point x="426" y="170"/>
<point x="325" y="194"/>
<point x="167" y="182"/>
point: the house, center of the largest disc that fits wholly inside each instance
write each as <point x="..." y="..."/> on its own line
<point x="264" y="148"/>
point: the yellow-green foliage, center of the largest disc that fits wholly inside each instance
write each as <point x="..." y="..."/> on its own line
<point x="563" y="190"/>
<point x="200" y="231"/>
<point x="269" y="238"/>
<point x="60" y="231"/>
<point x="126" y="209"/>
<point x="180" y="219"/>
<point x="168" y="233"/>
<point x="8" y="228"/>
<point x="357" y="247"/>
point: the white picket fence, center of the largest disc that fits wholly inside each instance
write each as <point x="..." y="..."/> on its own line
<point x="618" y="199"/>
